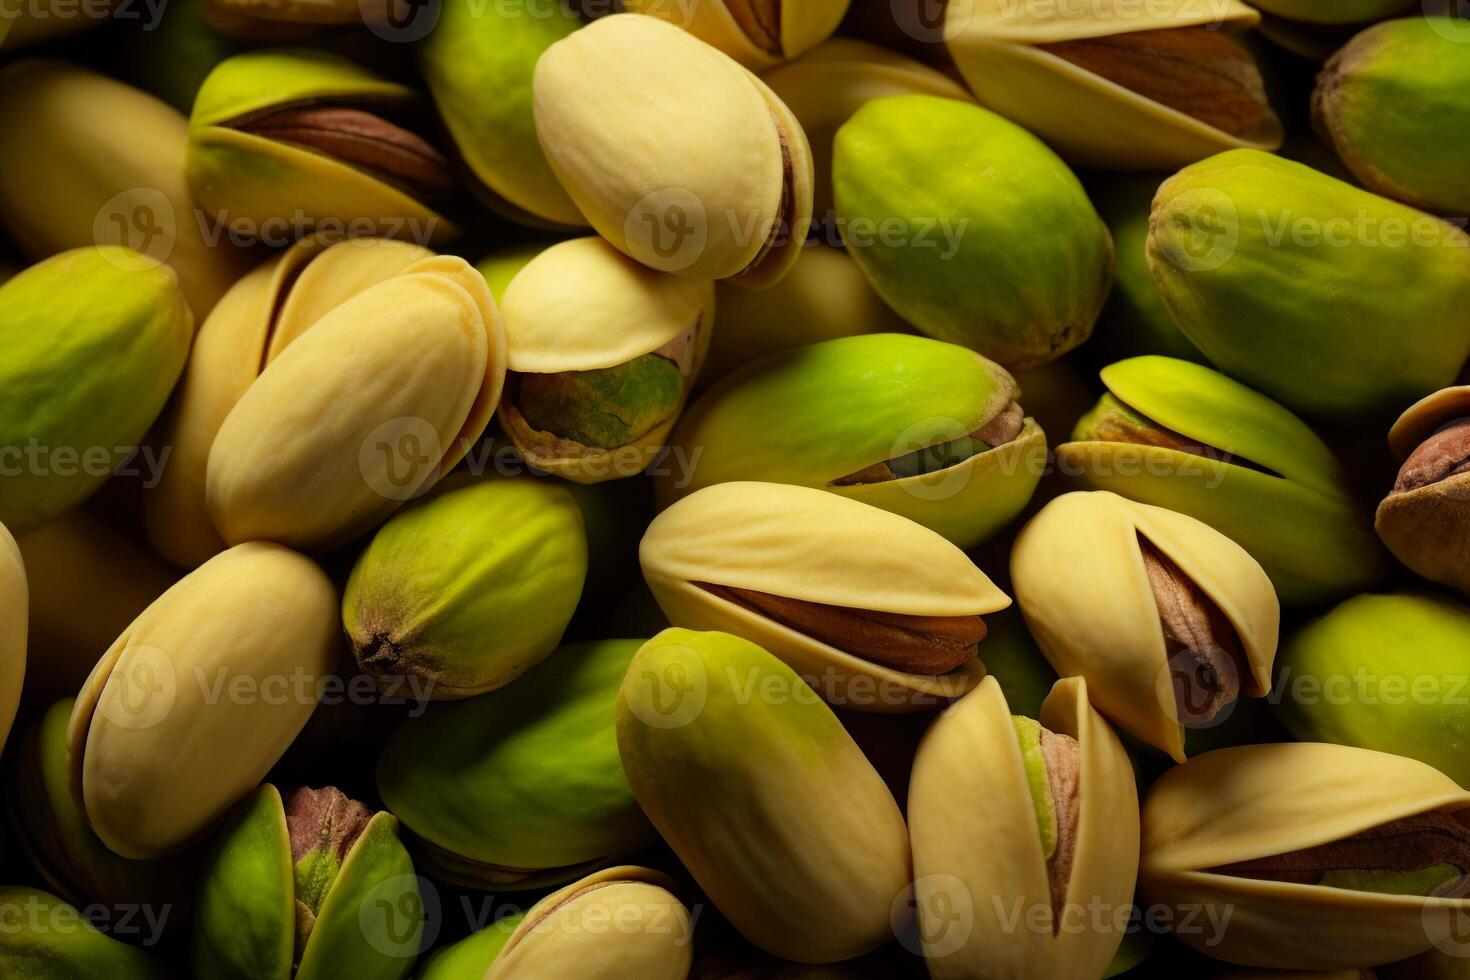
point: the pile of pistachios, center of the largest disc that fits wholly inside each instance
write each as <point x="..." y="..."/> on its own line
<point x="734" y="489"/>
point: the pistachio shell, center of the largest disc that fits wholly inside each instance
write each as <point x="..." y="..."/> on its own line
<point x="94" y="340"/>
<point x="86" y="160"/>
<point x="1111" y="635"/>
<point x="408" y="372"/>
<point x="1423" y="521"/>
<point x="958" y="256"/>
<point x="970" y="791"/>
<point x="520" y="788"/>
<point x="765" y="798"/>
<point x="814" y="415"/>
<point x="717" y="183"/>
<point x="244" y="176"/>
<point x="1268" y="265"/>
<point x="1089" y="119"/>
<point x="469" y="958"/>
<point x="1274" y="486"/>
<point x="14" y="607"/>
<point x="156" y="751"/>
<point x="1332" y="11"/>
<point x="44" y="938"/>
<point x="1386" y="103"/>
<point x="622" y="922"/>
<point x="1256" y="801"/>
<point x="266" y="310"/>
<point x="803" y="544"/>
<point x="746" y="32"/>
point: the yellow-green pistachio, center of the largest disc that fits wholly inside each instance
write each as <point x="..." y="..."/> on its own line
<point x="94" y="339"/>
<point x="87" y="160"/>
<point x="764" y="796"/>
<point x="677" y="198"/>
<point x="43" y="937"/>
<point x="469" y="958"/>
<point x="293" y="139"/>
<point x="408" y="372"/>
<point x="1179" y="435"/>
<point x="1010" y="816"/>
<point x="263" y="313"/>
<point x="14" y="610"/>
<point x="1307" y="856"/>
<point x="928" y="430"/>
<point x="1425" y="518"/>
<point x="311" y="886"/>
<point x="520" y="788"/>
<point x="757" y="33"/>
<point x="876" y="612"/>
<point x="476" y="49"/>
<point x="602" y="353"/>
<point x="200" y="696"/>
<point x="1167" y="619"/>
<point x="1112" y="87"/>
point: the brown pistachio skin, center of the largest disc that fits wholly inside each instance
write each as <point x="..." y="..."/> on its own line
<point x="1425" y="519"/>
<point x="1064" y="776"/>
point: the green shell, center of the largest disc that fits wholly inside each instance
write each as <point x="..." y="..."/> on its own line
<point x="1331" y="11"/>
<point x="814" y="415"/>
<point x="469" y="958"/>
<point x="1294" y="282"/>
<point x="94" y="340"/>
<point x="971" y="228"/>
<point x="1281" y="494"/>
<point x="525" y="780"/>
<point x="604" y="408"/>
<point x="469" y="587"/>
<point x="44" y="938"/>
<point x="1385" y="672"/>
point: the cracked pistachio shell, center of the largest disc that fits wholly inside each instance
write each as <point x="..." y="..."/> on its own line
<point x="1257" y="801"/>
<point x="94" y="339"/>
<point x="582" y="306"/>
<point x="825" y="86"/>
<point x="1358" y="676"/>
<point x="960" y="254"/>
<point x="804" y="544"/>
<point x="814" y="415"/>
<point x="678" y="156"/>
<point x="1392" y="104"/>
<point x="1426" y="527"/>
<point x="473" y="50"/>
<point x="248" y="177"/>
<point x="367" y="924"/>
<point x="156" y="753"/>
<point x="971" y="789"/>
<point x="764" y="796"/>
<point x="380" y="398"/>
<point x="520" y="788"/>
<point x="1090" y="120"/>
<point x="14" y="610"/>
<point x="469" y="587"/>
<point x="1332" y="11"/>
<point x="1080" y="581"/>
<point x="260" y="315"/>
<point x="1276" y="489"/>
<point x="759" y="34"/>
<point x="44" y="938"/>
<point x="87" y="160"/>
<point x="566" y="935"/>
<point x="1268" y="265"/>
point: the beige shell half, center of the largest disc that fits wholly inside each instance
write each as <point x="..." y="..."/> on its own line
<point x="1086" y="118"/>
<point x="804" y="23"/>
<point x="969" y="791"/>
<point x="1081" y="584"/>
<point x="1421" y="419"/>
<point x="1244" y="803"/>
<point x="14" y="610"/>
<point x="807" y="544"/>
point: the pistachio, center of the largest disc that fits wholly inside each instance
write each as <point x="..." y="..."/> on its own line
<point x="756" y="33"/>
<point x="1425" y="519"/>
<point x="43" y="936"/>
<point x="14" y="609"/>
<point x="1444" y="454"/>
<point x="1204" y="652"/>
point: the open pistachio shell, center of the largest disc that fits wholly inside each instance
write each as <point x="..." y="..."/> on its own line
<point x="757" y="33"/>
<point x="718" y="182"/>
<point x="312" y="887"/>
<point x="14" y="610"/>
<point x="763" y="795"/>
<point x="1085" y="571"/>
<point x="617" y="923"/>
<point x="266" y="310"/>
<point x="156" y="753"/>
<point x="602" y="353"/>
<point x="1425" y="518"/>
<point x="44" y="938"/>
<point x="1181" y="436"/>
<point x="86" y="160"/>
<point x="1025" y="64"/>
<point x="819" y="582"/>
<point x="925" y="429"/>
<point x="94" y="339"/>
<point x="978" y="857"/>
<point x="301" y="137"/>
<point x="1216" y="830"/>
<point x="409" y="372"/>
<point x="520" y="788"/>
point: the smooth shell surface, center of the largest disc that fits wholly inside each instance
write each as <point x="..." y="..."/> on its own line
<point x="14" y="610"/>
<point x="801" y="24"/>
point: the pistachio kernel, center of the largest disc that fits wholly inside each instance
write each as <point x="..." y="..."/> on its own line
<point x="786" y="206"/>
<point x="760" y="21"/>
<point x="1001" y="429"/>
<point x="1112" y="420"/>
<point x="1444" y="454"/>
<point x="1054" y="775"/>
<point x="323" y="825"/>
